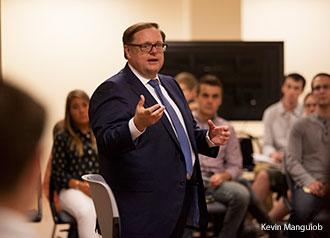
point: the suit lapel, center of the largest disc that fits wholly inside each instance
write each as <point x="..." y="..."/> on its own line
<point x="140" y="89"/>
<point x="181" y="105"/>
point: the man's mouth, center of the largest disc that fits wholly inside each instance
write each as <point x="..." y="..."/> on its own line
<point x="152" y="60"/>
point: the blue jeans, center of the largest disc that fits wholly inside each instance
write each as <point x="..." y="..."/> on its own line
<point x="237" y="198"/>
<point x="305" y="206"/>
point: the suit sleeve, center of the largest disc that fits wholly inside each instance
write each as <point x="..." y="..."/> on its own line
<point x="109" y="113"/>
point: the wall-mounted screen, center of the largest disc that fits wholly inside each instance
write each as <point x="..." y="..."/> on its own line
<point x="251" y="72"/>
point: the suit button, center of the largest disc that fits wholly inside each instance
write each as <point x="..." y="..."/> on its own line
<point x="183" y="183"/>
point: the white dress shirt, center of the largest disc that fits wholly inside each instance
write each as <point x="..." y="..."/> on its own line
<point x="277" y="125"/>
<point x="135" y="133"/>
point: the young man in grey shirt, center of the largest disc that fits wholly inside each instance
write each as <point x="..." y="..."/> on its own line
<point x="308" y="157"/>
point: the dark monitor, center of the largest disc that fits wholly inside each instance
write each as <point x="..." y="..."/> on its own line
<point x="251" y="72"/>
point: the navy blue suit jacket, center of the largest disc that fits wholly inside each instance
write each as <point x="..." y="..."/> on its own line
<point x="148" y="175"/>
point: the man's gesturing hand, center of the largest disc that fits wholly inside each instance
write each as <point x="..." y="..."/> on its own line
<point x="145" y="117"/>
<point x="218" y="134"/>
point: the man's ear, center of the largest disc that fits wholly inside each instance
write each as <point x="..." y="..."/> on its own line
<point x="282" y="89"/>
<point x="127" y="52"/>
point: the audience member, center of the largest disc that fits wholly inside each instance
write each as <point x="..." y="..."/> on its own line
<point x="22" y="121"/>
<point x="188" y="84"/>
<point x="308" y="157"/>
<point x="309" y="104"/>
<point x="278" y="119"/>
<point x="280" y="210"/>
<point x="148" y="157"/>
<point x="221" y="175"/>
<point x="75" y="154"/>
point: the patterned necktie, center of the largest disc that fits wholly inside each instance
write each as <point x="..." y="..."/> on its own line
<point x="182" y="136"/>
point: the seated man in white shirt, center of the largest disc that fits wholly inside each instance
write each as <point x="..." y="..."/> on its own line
<point x="21" y="124"/>
<point x="278" y="120"/>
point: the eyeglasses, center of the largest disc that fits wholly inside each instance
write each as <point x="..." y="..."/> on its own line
<point x="318" y="88"/>
<point x="160" y="47"/>
<point x="308" y="105"/>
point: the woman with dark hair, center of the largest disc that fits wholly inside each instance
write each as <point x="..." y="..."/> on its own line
<point x="75" y="154"/>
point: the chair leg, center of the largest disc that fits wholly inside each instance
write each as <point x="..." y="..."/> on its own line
<point x="53" y="233"/>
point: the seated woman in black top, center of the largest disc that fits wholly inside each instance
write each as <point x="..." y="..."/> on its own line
<point x="75" y="154"/>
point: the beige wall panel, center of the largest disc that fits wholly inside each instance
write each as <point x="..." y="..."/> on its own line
<point x="215" y="20"/>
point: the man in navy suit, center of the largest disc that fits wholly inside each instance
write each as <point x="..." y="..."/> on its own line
<point x="148" y="142"/>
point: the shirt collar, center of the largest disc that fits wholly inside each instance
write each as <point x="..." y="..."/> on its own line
<point x="143" y="80"/>
<point x="296" y="111"/>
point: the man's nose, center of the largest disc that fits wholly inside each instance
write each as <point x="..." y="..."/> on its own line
<point x="153" y="49"/>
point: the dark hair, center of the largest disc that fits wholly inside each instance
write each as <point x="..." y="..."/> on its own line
<point x="128" y="35"/>
<point x="22" y="122"/>
<point x="209" y="79"/>
<point x="319" y="75"/>
<point x="296" y="77"/>
<point x="187" y="79"/>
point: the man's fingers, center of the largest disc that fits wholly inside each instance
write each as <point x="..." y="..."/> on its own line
<point x="158" y="112"/>
<point x="153" y="108"/>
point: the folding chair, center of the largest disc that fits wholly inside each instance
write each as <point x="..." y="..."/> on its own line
<point x="61" y="216"/>
<point x="105" y="205"/>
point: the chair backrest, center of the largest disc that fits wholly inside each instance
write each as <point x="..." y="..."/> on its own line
<point x="105" y="205"/>
<point x="247" y="151"/>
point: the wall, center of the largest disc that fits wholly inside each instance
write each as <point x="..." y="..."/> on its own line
<point x="215" y="20"/>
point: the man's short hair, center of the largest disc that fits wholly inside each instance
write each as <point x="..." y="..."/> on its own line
<point x="22" y="121"/>
<point x="128" y="35"/>
<point x="187" y="79"/>
<point x="209" y="79"/>
<point x="319" y="75"/>
<point x="296" y="77"/>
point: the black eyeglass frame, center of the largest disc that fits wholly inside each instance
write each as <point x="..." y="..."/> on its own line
<point x="151" y="46"/>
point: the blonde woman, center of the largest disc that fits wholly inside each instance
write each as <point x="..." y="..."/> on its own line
<point x="75" y="154"/>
